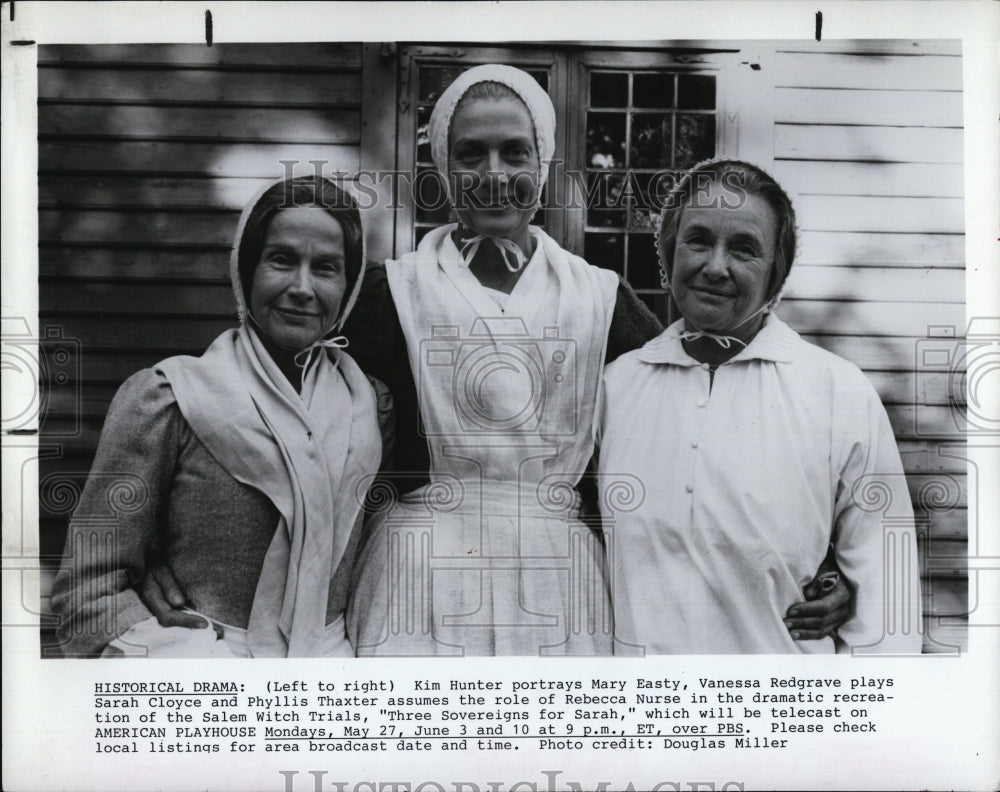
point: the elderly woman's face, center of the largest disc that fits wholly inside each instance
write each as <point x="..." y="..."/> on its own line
<point x="299" y="282"/>
<point x="493" y="161"/>
<point x="723" y="259"/>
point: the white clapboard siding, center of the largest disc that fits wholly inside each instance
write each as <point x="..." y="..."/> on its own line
<point x="869" y="319"/>
<point x="868" y="107"/>
<point x="861" y="282"/>
<point x="900" y="179"/>
<point x="868" y="141"/>
<point x="870" y="71"/>
<point x="892" y="249"/>
<point x="880" y="214"/>
<point x="856" y="143"/>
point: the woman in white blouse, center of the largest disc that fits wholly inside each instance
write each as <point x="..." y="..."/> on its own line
<point x="746" y="447"/>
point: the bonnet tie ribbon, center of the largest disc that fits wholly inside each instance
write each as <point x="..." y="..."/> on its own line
<point x="471" y="246"/>
<point x="722" y="339"/>
<point x="303" y="356"/>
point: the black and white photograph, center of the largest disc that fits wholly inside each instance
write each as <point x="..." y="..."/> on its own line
<point x="501" y="404"/>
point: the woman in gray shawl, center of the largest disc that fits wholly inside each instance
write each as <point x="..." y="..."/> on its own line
<point x="251" y="457"/>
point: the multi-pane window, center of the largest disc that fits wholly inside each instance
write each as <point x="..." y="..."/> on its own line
<point x="642" y="127"/>
<point x="431" y="204"/>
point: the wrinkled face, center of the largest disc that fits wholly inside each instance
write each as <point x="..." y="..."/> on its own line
<point x="723" y="259"/>
<point x="299" y="282"/>
<point x="493" y="162"/>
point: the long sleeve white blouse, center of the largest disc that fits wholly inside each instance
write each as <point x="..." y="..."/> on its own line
<point x="740" y="484"/>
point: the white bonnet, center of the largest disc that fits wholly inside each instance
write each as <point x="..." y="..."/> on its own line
<point x="543" y="114"/>
<point x="242" y="309"/>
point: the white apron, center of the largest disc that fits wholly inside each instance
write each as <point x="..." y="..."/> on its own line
<point x="490" y="558"/>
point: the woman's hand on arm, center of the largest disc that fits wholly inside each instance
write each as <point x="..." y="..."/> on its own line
<point x="829" y="603"/>
<point x="826" y="608"/>
<point x="161" y="593"/>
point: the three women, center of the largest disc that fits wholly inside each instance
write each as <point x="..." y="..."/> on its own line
<point x="493" y="339"/>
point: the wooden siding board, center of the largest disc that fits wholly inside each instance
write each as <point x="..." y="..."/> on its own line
<point x="883" y="284"/>
<point x="263" y="88"/>
<point x="131" y="297"/>
<point x="832" y="70"/>
<point x="883" y="354"/>
<point x="901" y="179"/>
<point x="870" y="319"/>
<point x="876" y="247"/>
<point x="198" y="228"/>
<point x="260" y="160"/>
<point x="868" y="107"/>
<point x="139" y="333"/>
<point x="68" y="189"/>
<point x="176" y="56"/>
<point x="321" y="126"/>
<point x="867" y="144"/>
<point x="72" y="262"/>
<point x="881" y="214"/>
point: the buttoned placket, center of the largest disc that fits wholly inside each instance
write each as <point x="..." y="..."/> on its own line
<point x="697" y="427"/>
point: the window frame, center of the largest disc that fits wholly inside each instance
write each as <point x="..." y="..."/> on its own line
<point x="414" y="57"/>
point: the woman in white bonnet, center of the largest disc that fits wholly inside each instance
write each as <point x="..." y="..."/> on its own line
<point x="506" y="335"/>
<point x="248" y="458"/>
<point x="763" y="447"/>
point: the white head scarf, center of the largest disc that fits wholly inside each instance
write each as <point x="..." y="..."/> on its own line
<point x="242" y="308"/>
<point x="674" y="204"/>
<point x="543" y="119"/>
<point x="543" y="114"/>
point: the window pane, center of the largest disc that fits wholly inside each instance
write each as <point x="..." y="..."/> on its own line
<point x="695" y="139"/>
<point x="650" y="144"/>
<point x="606" y="140"/>
<point x="643" y="267"/>
<point x="651" y="191"/>
<point x="643" y="219"/>
<point x="696" y="92"/>
<point x="608" y="90"/>
<point x="541" y="77"/>
<point x="423" y="141"/>
<point x="605" y="250"/>
<point x="605" y="204"/>
<point x="430" y="197"/>
<point x="653" y="90"/>
<point x="434" y="79"/>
